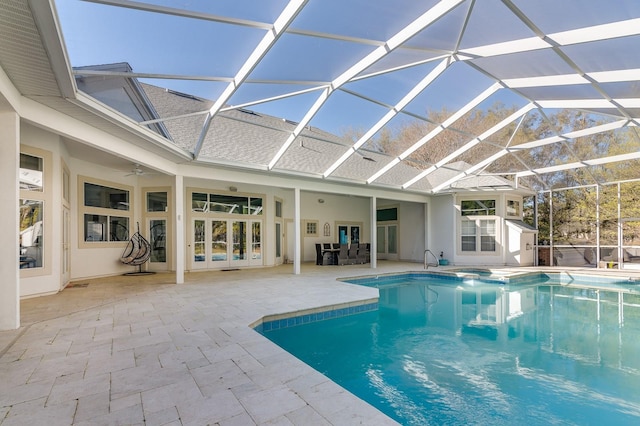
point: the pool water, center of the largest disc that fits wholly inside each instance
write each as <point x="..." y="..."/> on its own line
<point x="440" y="351"/>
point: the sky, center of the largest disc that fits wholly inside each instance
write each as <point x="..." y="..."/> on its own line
<point x="163" y="44"/>
<point x="173" y="45"/>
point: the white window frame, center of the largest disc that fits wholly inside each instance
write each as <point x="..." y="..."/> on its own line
<point x="101" y="211"/>
<point x="480" y="226"/>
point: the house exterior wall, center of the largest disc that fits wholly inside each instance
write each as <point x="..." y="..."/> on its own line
<point x="412" y="231"/>
<point x="442" y="222"/>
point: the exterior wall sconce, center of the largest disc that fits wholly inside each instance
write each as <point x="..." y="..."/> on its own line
<point x="527" y="246"/>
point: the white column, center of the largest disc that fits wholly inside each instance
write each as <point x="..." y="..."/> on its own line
<point x="9" y="217"/>
<point x="374" y="233"/>
<point x="181" y="241"/>
<point x="296" y="231"/>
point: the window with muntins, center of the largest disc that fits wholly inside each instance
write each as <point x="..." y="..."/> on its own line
<point x="105" y="212"/>
<point x="477" y="230"/>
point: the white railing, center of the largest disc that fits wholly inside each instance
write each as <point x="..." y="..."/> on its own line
<point x="426" y="263"/>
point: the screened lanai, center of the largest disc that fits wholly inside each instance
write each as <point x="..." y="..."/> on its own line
<point x="393" y="93"/>
<point x="414" y="97"/>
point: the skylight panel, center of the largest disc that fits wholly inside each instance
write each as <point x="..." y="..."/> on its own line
<point x="404" y="58"/>
<point x="237" y="9"/>
<point x="285" y="105"/>
<point x="208" y="90"/>
<point x="441" y="96"/>
<point x="347" y="113"/>
<point x="377" y="20"/>
<point x="582" y="91"/>
<point x="607" y="55"/>
<point x="565" y="16"/>
<point x="443" y="34"/>
<point x="314" y="59"/>
<point x="524" y="65"/>
<point x="92" y="38"/>
<point x="492" y="24"/>
<point x="391" y="87"/>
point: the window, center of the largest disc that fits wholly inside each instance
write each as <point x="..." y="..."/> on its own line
<point x="31" y="169"/>
<point x="478" y="207"/>
<point x="157" y="201"/>
<point x="106" y="228"/>
<point x="105" y="197"/>
<point x="311" y="228"/>
<point x="106" y="212"/>
<point x="278" y="208"/>
<point x="35" y="203"/>
<point x="477" y="230"/>
<point x="231" y="204"/>
<point x="66" y="188"/>
<point x="468" y="235"/>
<point x="513" y="208"/>
<point x="487" y="235"/>
<point x="31" y="234"/>
<point x="384" y="215"/>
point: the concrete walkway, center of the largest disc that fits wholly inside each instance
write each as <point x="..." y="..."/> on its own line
<point x="141" y="350"/>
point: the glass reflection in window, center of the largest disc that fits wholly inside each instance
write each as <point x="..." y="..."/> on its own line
<point x="31" y="234"/>
<point x="30" y="173"/>
<point x="157" y="201"/>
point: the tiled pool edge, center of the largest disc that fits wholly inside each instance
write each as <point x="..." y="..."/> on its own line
<point x="307" y="316"/>
<point x="517" y="278"/>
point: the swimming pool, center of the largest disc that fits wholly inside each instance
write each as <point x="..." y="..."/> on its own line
<point x="543" y="349"/>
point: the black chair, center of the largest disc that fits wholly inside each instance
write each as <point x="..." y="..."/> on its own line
<point x="329" y="253"/>
<point x="318" y="254"/>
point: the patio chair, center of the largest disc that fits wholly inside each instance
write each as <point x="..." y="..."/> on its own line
<point x="343" y="255"/>
<point x="353" y="253"/>
<point x="361" y="255"/>
<point x="328" y="251"/>
<point x="318" y="254"/>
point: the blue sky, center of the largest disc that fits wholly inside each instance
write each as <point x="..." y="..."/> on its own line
<point x="163" y="44"/>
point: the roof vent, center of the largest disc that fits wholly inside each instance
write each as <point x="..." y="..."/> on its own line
<point x="246" y="111"/>
<point x="183" y="95"/>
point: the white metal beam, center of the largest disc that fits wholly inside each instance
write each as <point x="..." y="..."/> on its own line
<point x="502" y="124"/>
<point x="146" y="7"/>
<point x="565" y="38"/>
<point x="581" y="164"/>
<point x="268" y="40"/>
<point x="426" y="19"/>
<point x="448" y="122"/>
<point x="534" y="144"/>
<point x="415" y="91"/>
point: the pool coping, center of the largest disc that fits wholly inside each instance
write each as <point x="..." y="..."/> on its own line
<point x="307" y="316"/>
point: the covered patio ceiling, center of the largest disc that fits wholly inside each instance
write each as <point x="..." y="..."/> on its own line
<point x="357" y="75"/>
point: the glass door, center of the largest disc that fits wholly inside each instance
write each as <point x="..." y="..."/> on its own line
<point x="199" y="245"/>
<point x="66" y="259"/>
<point x="387" y="242"/>
<point x="219" y="244"/>
<point x="239" y="253"/>
<point x="223" y="243"/>
<point x="158" y="241"/>
<point x="278" y="243"/>
<point x="256" y="244"/>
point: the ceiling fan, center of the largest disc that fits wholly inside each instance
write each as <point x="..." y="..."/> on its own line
<point x="138" y="171"/>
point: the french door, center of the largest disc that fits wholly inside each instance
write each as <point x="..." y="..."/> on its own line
<point x="66" y="257"/>
<point x="225" y="243"/>
<point x="387" y="242"/>
<point x="158" y="240"/>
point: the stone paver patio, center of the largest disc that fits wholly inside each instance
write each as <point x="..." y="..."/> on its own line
<point x="141" y="350"/>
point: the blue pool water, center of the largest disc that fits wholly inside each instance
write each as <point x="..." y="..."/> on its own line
<point x="458" y="351"/>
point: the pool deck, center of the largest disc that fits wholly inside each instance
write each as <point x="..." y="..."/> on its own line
<point x="142" y="350"/>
